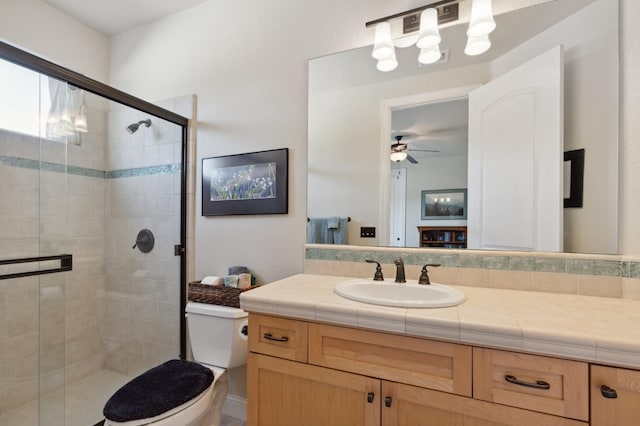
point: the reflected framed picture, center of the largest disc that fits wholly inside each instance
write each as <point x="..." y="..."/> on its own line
<point x="444" y="204"/>
<point x="246" y="184"/>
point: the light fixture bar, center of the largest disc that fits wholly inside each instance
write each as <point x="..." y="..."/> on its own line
<point x="451" y="13"/>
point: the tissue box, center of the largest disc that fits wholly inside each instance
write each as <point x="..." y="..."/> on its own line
<point x="215" y="294"/>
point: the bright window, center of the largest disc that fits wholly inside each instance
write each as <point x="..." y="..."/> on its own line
<point x="24" y="100"/>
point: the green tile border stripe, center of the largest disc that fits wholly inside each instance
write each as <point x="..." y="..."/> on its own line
<point x="26" y="163"/>
<point x="48" y="166"/>
<point x="586" y="266"/>
<point x="165" y="169"/>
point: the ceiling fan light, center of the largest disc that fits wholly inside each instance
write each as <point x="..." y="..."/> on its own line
<point x="477" y="45"/>
<point x="387" y="64"/>
<point x="481" y="22"/>
<point x="430" y="55"/>
<point x="382" y="44"/>
<point x="429" y="35"/>
<point x="398" y="156"/>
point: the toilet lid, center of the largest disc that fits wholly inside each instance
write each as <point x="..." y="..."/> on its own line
<point x="158" y="390"/>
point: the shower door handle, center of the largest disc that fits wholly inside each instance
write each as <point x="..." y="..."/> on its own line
<point x="66" y="264"/>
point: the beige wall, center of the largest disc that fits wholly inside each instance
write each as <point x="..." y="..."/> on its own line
<point x="39" y="28"/>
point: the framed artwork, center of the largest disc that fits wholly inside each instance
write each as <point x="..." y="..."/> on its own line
<point x="246" y="184"/>
<point x="444" y="204"/>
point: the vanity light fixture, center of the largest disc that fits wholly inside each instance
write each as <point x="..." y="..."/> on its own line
<point x="481" y="22"/>
<point x="420" y="27"/>
<point x="80" y="121"/>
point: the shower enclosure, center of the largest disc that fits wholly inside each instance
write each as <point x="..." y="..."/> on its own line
<point x="92" y="240"/>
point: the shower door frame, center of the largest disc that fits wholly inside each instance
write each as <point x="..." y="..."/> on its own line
<point x="50" y="69"/>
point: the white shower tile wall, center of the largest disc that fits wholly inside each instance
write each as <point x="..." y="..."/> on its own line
<point x="141" y="297"/>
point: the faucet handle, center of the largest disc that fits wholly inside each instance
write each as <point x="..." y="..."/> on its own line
<point x="424" y="275"/>
<point x="378" y="275"/>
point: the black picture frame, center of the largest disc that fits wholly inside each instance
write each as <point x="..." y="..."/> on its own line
<point x="442" y="204"/>
<point x="253" y="183"/>
<point x="576" y="180"/>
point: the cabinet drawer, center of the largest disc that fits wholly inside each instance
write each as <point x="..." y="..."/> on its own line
<point x="281" y="337"/>
<point x="435" y="365"/>
<point x="538" y="383"/>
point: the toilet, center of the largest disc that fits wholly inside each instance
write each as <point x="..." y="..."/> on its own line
<point x="187" y="393"/>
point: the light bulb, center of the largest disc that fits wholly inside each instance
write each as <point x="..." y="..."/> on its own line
<point x="429" y="34"/>
<point x="382" y="45"/>
<point x="80" y="123"/>
<point x="477" y="45"/>
<point x="398" y="156"/>
<point x="481" y="22"/>
<point x="387" y="64"/>
<point x="430" y="55"/>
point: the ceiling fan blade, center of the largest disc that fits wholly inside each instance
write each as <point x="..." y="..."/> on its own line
<point x="411" y="159"/>
<point x="424" y="150"/>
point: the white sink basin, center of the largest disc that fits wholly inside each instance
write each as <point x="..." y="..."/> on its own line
<point x="407" y="295"/>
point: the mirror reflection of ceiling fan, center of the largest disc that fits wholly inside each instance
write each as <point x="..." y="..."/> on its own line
<point x="400" y="150"/>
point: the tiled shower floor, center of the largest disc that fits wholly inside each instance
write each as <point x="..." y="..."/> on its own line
<point x="84" y="402"/>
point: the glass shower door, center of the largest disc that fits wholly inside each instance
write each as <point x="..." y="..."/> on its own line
<point x="32" y="221"/>
<point x="84" y="307"/>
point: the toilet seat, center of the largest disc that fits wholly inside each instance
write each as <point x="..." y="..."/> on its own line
<point x="192" y="409"/>
<point x="187" y="413"/>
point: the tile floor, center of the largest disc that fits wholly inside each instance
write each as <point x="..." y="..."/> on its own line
<point x="232" y="421"/>
<point x="83" y="401"/>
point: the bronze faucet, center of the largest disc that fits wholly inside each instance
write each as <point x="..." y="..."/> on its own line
<point x="400" y="278"/>
<point x="424" y="275"/>
<point x="378" y="275"/>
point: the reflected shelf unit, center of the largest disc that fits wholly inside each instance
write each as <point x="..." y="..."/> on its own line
<point x="443" y="236"/>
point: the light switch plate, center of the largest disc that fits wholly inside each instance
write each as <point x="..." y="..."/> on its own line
<point x="367" y="232"/>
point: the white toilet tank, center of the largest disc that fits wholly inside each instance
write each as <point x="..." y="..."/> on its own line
<point x="216" y="334"/>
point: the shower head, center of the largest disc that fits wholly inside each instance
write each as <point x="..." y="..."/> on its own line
<point x="132" y="128"/>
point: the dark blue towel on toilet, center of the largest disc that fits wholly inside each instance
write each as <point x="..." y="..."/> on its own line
<point x="158" y="390"/>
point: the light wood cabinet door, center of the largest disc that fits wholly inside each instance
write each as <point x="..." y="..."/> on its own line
<point x="414" y="406"/>
<point x="288" y="393"/>
<point x="436" y="365"/>
<point x="618" y="404"/>
<point x="549" y="385"/>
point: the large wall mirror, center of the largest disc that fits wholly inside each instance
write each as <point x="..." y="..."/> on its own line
<point x="356" y="111"/>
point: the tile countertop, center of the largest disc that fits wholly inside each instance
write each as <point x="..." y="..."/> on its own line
<point x="595" y="329"/>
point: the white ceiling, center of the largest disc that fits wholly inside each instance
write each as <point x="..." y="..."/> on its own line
<point x="440" y="126"/>
<point x="111" y="17"/>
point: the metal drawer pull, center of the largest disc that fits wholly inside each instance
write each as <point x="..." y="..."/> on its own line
<point x="539" y="384"/>
<point x="370" y="397"/>
<point x="269" y="336"/>
<point x="387" y="401"/>
<point x="607" y="392"/>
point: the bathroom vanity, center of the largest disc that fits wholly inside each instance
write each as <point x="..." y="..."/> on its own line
<point x="501" y="358"/>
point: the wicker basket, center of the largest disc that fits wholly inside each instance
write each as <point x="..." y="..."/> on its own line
<point x="215" y="294"/>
